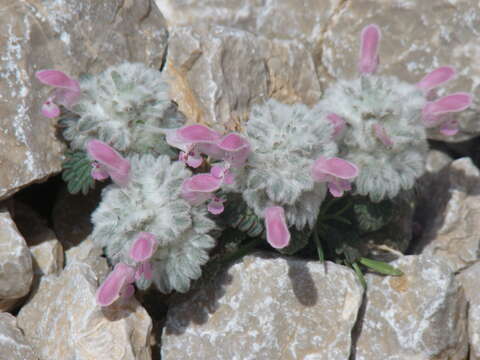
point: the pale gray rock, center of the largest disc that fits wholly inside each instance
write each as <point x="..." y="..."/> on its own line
<point x="421" y="315"/>
<point x="13" y="345"/>
<point x="275" y="19"/>
<point x="451" y="214"/>
<point x="470" y="280"/>
<point x="16" y="272"/>
<point x="63" y="321"/>
<point x="267" y="308"/>
<point x="48" y="256"/>
<point x="417" y="37"/>
<point x="436" y="161"/>
<point x="68" y="35"/>
<point x="217" y="73"/>
<point x="86" y="253"/>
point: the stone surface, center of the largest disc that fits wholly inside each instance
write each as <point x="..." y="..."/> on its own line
<point x="470" y="280"/>
<point x="417" y="36"/>
<point x="86" y="253"/>
<point x="72" y="36"/>
<point x="16" y="272"/>
<point x="275" y="19"/>
<point x="47" y="257"/>
<point x="267" y="308"/>
<point x="217" y="73"/>
<point x="436" y="161"/>
<point x="421" y="315"/>
<point x="13" y="345"/>
<point x="450" y="212"/>
<point x="63" y="321"/>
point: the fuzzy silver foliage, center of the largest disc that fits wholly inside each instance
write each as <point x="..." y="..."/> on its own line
<point x="125" y="106"/>
<point x="151" y="202"/>
<point x="397" y="107"/>
<point x="285" y="142"/>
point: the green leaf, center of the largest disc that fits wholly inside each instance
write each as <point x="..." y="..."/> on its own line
<point x="316" y="238"/>
<point x="380" y="267"/>
<point x="76" y="172"/>
<point x="372" y="216"/>
<point x="359" y="273"/>
<point x="239" y="216"/>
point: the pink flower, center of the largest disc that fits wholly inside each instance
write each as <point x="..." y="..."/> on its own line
<point x="108" y="162"/>
<point x="370" y="43"/>
<point x="382" y="135"/>
<point x="141" y="251"/>
<point x="232" y="148"/>
<point x="278" y="235"/>
<point x="436" y="78"/>
<point x="436" y="113"/>
<point x="188" y="139"/>
<point x="215" y="206"/>
<point x="338" y="124"/>
<point x="223" y="173"/>
<point x="200" y="188"/>
<point x="117" y="284"/>
<point x="336" y="172"/>
<point x="66" y="93"/>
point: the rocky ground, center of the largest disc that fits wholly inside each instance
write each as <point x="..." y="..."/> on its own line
<point x="222" y="57"/>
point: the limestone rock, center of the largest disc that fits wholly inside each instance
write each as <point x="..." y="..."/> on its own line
<point x="72" y="36"/>
<point x="16" y="272"/>
<point x="217" y="73"/>
<point x="418" y="36"/>
<point x="421" y="315"/>
<point x="267" y="308"/>
<point x="470" y="280"/>
<point x="275" y="19"/>
<point x="13" y="345"/>
<point x="63" y="321"/>
<point x="451" y="215"/>
<point x="87" y="253"/>
<point x="48" y="257"/>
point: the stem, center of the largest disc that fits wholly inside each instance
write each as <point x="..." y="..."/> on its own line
<point x="316" y="237"/>
<point x="342" y="210"/>
<point x="359" y="275"/>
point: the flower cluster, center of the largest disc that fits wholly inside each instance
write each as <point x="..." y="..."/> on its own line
<point x="155" y="221"/>
<point x="380" y="121"/>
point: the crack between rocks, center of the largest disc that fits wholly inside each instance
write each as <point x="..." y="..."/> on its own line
<point x="318" y="53"/>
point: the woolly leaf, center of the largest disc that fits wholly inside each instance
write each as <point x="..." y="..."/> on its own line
<point x="372" y="216"/>
<point x="76" y="172"/>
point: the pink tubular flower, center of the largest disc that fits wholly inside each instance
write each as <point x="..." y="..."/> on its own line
<point x="215" y="206"/>
<point x="336" y="172"/>
<point x="278" y="235"/>
<point x="232" y="148"/>
<point x="370" y="43"/>
<point x="435" y="113"/>
<point x="141" y="251"/>
<point x="188" y="139"/>
<point x="436" y="78"/>
<point x="66" y="93"/>
<point x="382" y="135"/>
<point x="200" y="188"/>
<point x="108" y="162"/>
<point x="117" y="284"/>
<point x="223" y="173"/>
<point x="338" y="124"/>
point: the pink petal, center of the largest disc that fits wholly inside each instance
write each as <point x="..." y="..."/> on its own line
<point x="338" y="124"/>
<point x="448" y="104"/>
<point x="143" y="247"/>
<point x="229" y="178"/>
<point x="450" y="127"/>
<point x="99" y="174"/>
<point x="57" y="79"/>
<point x="215" y="206"/>
<point x="436" y="78"/>
<point x="194" y="161"/>
<point x="217" y="171"/>
<point x="236" y="148"/>
<point x="205" y="183"/>
<point x="66" y="97"/>
<point x="147" y="270"/>
<point x="337" y="188"/>
<point x="197" y="133"/>
<point x="370" y="41"/>
<point x="278" y="235"/>
<point x="113" y="163"/>
<point x="382" y="135"/>
<point x="335" y="167"/>
<point x="50" y="109"/>
<point x="111" y="288"/>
